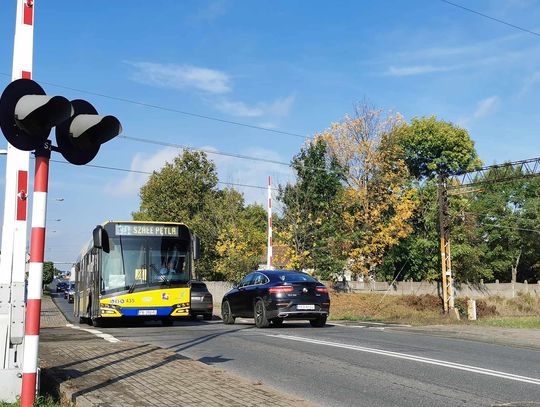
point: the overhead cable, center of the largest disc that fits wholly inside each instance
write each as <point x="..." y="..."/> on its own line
<point x="491" y="18"/>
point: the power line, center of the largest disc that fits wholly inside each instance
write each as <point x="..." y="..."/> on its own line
<point x="491" y="18"/>
<point x="511" y="227"/>
<point x="173" y="110"/>
<point x="104" y="167"/>
<point x="207" y="151"/>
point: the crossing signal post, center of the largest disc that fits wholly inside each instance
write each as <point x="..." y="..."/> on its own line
<point x="27" y="116"/>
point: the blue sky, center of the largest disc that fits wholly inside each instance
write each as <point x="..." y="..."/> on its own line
<point x="295" y="66"/>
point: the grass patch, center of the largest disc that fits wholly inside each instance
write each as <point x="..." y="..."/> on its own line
<point x="41" y="401"/>
<point x="523" y="311"/>
<point x="532" y="322"/>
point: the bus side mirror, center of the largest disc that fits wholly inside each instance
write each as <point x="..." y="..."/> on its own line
<point x="101" y="238"/>
<point x="196" y="247"/>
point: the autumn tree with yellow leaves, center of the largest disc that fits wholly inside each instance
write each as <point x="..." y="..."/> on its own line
<point x="378" y="202"/>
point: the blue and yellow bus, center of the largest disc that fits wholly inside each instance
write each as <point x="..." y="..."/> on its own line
<point x="139" y="270"/>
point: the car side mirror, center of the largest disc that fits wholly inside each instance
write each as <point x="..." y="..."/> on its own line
<point x="101" y="238"/>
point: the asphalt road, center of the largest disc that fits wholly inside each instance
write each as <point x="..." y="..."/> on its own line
<point x="366" y="365"/>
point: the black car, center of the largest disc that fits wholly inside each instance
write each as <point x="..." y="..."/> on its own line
<point x="61" y="286"/>
<point x="202" y="302"/>
<point x="272" y="296"/>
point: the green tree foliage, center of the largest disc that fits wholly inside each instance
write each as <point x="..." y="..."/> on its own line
<point x="310" y="220"/>
<point x="185" y="191"/>
<point x="49" y="272"/>
<point x="434" y="147"/>
<point x="418" y="256"/>
<point x="241" y="241"/>
<point x="506" y="216"/>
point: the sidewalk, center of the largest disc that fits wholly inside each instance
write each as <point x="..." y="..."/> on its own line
<point x="90" y="371"/>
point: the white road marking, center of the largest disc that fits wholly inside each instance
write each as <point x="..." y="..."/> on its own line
<point x="99" y="334"/>
<point x="420" y="359"/>
<point x="347" y="326"/>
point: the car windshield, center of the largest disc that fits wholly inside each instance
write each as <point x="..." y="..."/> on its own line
<point x="296" y="278"/>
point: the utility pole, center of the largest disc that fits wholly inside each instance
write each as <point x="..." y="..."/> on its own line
<point x="269" y="250"/>
<point x="444" y="231"/>
<point x="13" y="260"/>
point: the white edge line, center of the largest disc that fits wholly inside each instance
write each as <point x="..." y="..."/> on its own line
<point x="99" y="334"/>
<point x="451" y="365"/>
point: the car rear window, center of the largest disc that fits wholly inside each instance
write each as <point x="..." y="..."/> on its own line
<point x="296" y="278"/>
<point x="198" y="286"/>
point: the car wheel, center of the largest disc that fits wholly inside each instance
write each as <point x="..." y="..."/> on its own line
<point x="226" y="314"/>
<point x="207" y="317"/>
<point x="277" y="322"/>
<point x="260" y="315"/>
<point x="319" y="322"/>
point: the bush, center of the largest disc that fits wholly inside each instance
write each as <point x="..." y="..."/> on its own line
<point x="422" y="302"/>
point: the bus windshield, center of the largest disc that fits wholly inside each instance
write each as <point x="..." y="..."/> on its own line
<point x="135" y="261"/>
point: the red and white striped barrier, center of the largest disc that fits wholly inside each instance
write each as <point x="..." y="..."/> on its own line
<point x="269" y="251"/>
<point x="35" y="278"/>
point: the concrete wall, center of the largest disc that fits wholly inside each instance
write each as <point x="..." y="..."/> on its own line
<point x="507" y="290"/>
<point x="218" y="289"/>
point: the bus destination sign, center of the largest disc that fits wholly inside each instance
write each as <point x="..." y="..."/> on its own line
<point x="147" y="230"/>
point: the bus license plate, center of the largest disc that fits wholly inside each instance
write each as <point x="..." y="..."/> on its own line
<point x="305" y="306"/>
<point x="147" y="312"/>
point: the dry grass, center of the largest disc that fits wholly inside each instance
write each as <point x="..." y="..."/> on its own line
<point x="424" y="309"/>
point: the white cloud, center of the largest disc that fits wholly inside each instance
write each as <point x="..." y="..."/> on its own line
<point x="487" y="106"/>
<point x="239" y="108"/>
<point x="254" y="173"/>
<point x="133" y="181"/>
<point x="529" y="83"/>
<point x="181" y="77"/>
<point x="278" y="108"/>
<point x="417" y="70"/>
<point x="230" y="170"/>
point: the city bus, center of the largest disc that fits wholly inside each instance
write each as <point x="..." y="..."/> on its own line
<point x="135" y="270"/>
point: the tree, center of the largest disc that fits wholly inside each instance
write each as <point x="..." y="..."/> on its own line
<point x="241" y="242"/>
<point x="310" y="221"/>
<point x="185" y="191"/>
<point x="49" y="271"/>
<point x="378" y="202"/>
<point x="418" y="256"/>
<point x="434" y="147"/>
<point x="506" y="215"/>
